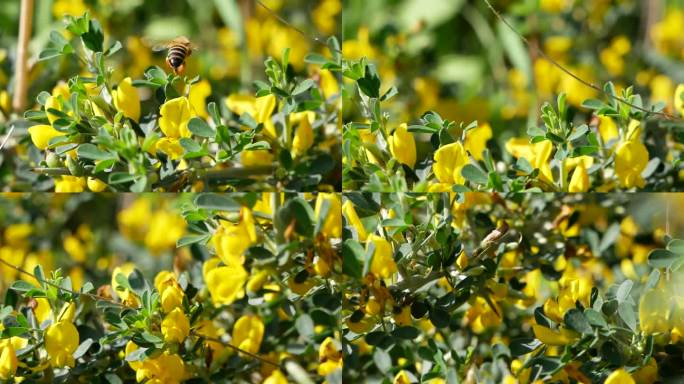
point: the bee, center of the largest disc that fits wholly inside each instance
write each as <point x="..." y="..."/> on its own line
<point x="178" y="50"/>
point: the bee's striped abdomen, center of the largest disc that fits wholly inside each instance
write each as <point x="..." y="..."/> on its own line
<point x="176" y="55"/>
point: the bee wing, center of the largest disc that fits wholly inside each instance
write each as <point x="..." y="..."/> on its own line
<point x="160" y="47"/>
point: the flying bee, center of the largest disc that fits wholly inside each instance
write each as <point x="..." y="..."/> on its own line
<point x="178" y="50"/>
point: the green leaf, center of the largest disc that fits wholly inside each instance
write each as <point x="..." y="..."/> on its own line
<point x="676" y="246"/>
<point x="121" y="178"/>
<point x="627" y="315"/>
<point x="78" y="26"/>
<point x="439" y="317"/>
<point x="406" y="332"/>
<point x="303" y="87"/>
<point x="259" y="145"/>
<point x="92" y="152"/>
<point x="576" y="320"/>
<point x="352" y="258"/>
<point x="217" y="202"/>
<point x="122" y="280"/>
<point x="595" y="318"/>
<point x="382" y="360"/>
<point x="593" y="104"/>
<point x="523" y="346"/>
<point x="83" y="348"/>
<point x="199" y="127"/>
<point x="191" y="239"/>
<point x="474" y="174"/>
<point x="305" y="326"/>
<point x="369" y="84"/>
<point x="579" y="132"/>
<point x="22" y="286"/>
<point x="623" y="290"/>
<point x="653" y="279"/>
<point x="93" y="38"/>
<point x="662" y="258"/>
<point x="48" y="53"/>
<point x="315" y="58"/>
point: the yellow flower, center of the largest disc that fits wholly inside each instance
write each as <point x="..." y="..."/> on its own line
<point x="325" y="15"/>
<point x="165" y="368"/>
<point x="175" y="115"/>
<point x="579" y="182"/>
<point x="481" y="316"/>
<point x="551" y="337"/>
<point x="248" y="332"/>
<point x="403" y="316"/>
<point x="198" y="98"/>
<point x="165" y="228"/>
<point x="536" y="154"/>
<point x="8" y="359"/>
<point x="42" y="134"/>
<point x="619" y="376"/>
<point x="476" y="140"/>
<point x="608" y="129"/>
<point x="332" y="226"/>
<point x="70" y="184"/>
<point x="130" y="348"/>
<point x="648" y="374"/>
<point x="300" y="288"/>
<point x="75" y="249"/>
<point x="231" y="240"/>
<point x="679" y="99"/>
<point x="329" y="84"/>
<point x="303" y="138"/>
<point x="353" y="219"/>
<point x="276" y="377"/>
<point x="264" y="107"/>
<point x="631" y="158"/>
<point x="5" y="102"/>
<point x="654" y="309"/>
<point x="402" y="145"/>
<point x="127" y="100"/>
<point x="74" y="8"/>
<point x="449" y="160"/>
<point x="171" y="147"/>
<point x="225" y="283"/>
<point x="257" y="281"/>
<point x="16" y="234"/>
<point x="667" y="33"/>
<point x="383" y="264"/>
<point x="175" y="327"/>
<point x="96" y="185"/>
<point x="172" y="298"/>
<point x="259" y="157"/>
<point x="364" y="325"/>
<point x="402" y="378"/>
<point x="241" y="104"/>
<point x="329" y="357"/>
<point x="61" y="340"/>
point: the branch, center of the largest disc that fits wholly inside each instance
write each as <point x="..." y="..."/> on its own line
<point x="21" y="70"/>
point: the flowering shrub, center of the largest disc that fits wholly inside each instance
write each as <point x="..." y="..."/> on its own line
<point x="474" y="288"/>
<point x="535" y="84"/>
<point x="93" y="134"/>
<point x="251" y="293"/>
<point x="613" y="152"/>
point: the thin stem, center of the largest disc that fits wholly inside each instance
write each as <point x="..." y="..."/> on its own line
<point x="21" y="70"/>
